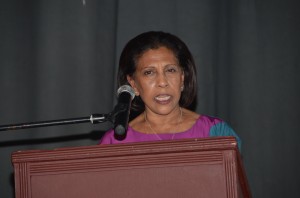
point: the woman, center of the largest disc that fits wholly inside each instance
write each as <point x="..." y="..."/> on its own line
<point x="161" y="70"/>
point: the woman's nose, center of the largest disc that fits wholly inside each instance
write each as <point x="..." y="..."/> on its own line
<point x="162" y="80"/>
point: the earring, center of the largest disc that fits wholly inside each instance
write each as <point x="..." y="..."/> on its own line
<point x="181" y="88"/>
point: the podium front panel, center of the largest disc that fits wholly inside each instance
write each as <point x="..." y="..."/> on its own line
<point x="185" y="168"/>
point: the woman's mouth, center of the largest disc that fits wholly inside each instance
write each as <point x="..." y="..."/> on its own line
<point x="163" y="98"/>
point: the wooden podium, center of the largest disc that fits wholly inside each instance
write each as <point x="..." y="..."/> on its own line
<point x="189" y="168"/>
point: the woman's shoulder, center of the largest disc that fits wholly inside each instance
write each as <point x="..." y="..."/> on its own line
<point x="209" y="119"/>
<point x="200" y="119"/>
<point x="190" y="118"/>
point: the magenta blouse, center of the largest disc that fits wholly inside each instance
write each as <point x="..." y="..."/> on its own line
<point x="205" y="126"/>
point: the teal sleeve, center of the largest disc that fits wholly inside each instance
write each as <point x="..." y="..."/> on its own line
<point x="223" y="129"/>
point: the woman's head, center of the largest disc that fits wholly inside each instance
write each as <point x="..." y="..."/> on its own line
<point x="144" y="42"/>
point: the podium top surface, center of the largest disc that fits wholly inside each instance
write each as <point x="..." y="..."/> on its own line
<point x="139" y="148"/>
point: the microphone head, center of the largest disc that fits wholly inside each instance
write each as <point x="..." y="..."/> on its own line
<point x="126" y="88"/>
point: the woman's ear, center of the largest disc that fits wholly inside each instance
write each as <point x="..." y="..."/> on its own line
<point x="182" y="80"/>
<point x="131" y="81"/>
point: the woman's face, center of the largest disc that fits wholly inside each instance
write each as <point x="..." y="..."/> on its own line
<point x="158" y="80"/>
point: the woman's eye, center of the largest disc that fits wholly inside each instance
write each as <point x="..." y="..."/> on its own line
<point x="149" y="72"/>
<point x="171" y="70"/>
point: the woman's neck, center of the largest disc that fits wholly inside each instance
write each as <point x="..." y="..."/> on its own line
<point x="155" y="123"/>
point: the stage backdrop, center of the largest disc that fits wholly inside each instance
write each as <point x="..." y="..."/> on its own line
<point x="58" y="59"/>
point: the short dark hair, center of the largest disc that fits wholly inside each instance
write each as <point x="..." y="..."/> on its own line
<point x="137" y="46"/>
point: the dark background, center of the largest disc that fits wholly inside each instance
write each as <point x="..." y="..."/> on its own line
<point x="58" y="59"/>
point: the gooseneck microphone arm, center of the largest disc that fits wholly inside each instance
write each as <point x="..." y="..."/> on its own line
<point x="94" y="119"/>
<point x="119" y="116"/>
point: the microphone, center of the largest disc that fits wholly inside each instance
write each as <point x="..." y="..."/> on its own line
<point x="122" y="110"/>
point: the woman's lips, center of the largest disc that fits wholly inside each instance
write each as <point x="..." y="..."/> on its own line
<point x="162" y="99"/>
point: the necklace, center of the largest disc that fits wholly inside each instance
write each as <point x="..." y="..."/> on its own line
<point x="148" y="123"/>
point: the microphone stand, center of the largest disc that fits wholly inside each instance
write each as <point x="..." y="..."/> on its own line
<point x="94" y="119"/>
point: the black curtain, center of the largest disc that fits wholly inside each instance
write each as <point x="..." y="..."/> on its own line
<point x="58" y="59"/>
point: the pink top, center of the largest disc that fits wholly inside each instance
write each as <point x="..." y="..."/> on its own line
<point x="205" y="126"/>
